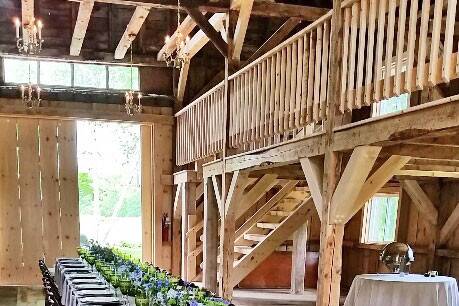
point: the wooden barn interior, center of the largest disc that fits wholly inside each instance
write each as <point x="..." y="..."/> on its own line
<point x="273" y="133"/>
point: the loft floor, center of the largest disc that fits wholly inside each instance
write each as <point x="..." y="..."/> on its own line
<point x="21" y="296"/>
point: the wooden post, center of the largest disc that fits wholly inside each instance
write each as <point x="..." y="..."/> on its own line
<point x="210" y="250"/>
<point x="331" y="235"/>
<point x="300" y="238"/>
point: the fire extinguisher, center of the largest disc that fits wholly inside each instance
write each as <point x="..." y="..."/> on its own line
<point x="165" y="226"/>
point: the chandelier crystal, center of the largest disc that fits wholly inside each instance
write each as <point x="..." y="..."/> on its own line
<point x="132" y="107"/>
<point x="28" y="37"/>
<point x="179" y="57"/>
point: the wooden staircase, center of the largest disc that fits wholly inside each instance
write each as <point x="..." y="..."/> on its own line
<point x="270" y="228"/>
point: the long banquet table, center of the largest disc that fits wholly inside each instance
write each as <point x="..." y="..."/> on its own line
<point x="407" y="290"/>
<point x="79" y="285"/>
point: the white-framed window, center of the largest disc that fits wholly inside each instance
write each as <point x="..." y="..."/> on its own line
<point x="380" y="217"/>
<point x="391" y="105"/>
<point x="69" y="74"/>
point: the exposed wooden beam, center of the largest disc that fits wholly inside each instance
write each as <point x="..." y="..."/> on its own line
<point x="182" y="82"/>
<point x="421" y="200"/>
<point x="300" y="239"/>
<point x="210" y="241"/>
<point x="313" y="169"/>
<point x="177" y="210"/>
<point x="81" y="25"/>
<point x="245" y="10"/>
<point x="276" y="38"/>
<point x="352" y="181"/>
<point x="170" y="45"/>
<point x="428" y="173"/>
<point x="423" y="151"/>
<point x="28" y="16"/>
<point x="262" y="8"/>
<point x="450" y="225"/>
<point x="132" y="29"/>
<point x="200" y="39"/>
<point x="375" y="182"/>
<point x="218" y="194"/>
<point x="208" y="29"/>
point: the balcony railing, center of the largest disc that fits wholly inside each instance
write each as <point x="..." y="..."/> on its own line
<point x="390" y="47"/>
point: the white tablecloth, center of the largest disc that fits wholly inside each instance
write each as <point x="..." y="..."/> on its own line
<point x="407" y="290"/>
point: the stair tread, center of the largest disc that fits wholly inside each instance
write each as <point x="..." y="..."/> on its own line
<point x="279" y="213"/>
<point x="268" y="225"/>
<point x="243" y="249"/>
<point x="254" y="237"/>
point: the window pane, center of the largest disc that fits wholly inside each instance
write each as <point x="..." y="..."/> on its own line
<point x="87" y="75"/>
<point x="120" y="77"/>
<point x="17" y="70"/>
<point x="55" y="73"/>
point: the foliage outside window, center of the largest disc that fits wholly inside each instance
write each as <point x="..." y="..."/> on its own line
<point x="380" y="219"/>
<point x="60" y="73"/>
<point x="109" y="184"/>
<point x="56" y="73"/>
<point x="17" y="70"/>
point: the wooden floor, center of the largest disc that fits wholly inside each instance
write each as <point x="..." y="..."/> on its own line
<point x="33" y="296"/>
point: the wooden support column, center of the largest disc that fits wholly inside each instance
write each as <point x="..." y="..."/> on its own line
<point x="300" y="239"/>
<point x="188" y="220"/>
<point x="210" y="247"/>
<point x="227" y="233"/>
<point x="331" y="235"/>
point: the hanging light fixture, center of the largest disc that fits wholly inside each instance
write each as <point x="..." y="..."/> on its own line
<point x="28" y="36"/>
<point x="178" y="57"/>
<point x="132" y="107"/>
<point x="30" y="93"/>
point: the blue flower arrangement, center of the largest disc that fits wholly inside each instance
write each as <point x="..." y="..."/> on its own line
<point x="152" y="283"/>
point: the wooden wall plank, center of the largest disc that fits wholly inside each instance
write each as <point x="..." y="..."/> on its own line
<point x="50" y="190"/>
<point x="146" y="192"/>
<point x="30" y="199"/>
<point x="10" y="226"/>
<point x="68" y="177"/>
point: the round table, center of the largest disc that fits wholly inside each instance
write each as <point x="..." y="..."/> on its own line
<point x="406" y="290"/>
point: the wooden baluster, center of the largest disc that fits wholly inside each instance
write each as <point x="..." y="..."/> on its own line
<point x="312" y="55"/>
<point x="361" y="52"/>
<point x="288" y="78"/>
<point x="389" y="49"/>
<point x="177" y="142"/>
<point x="204" y="128"/>
<point x="222" y="118"/>
<point x="262" y="100"/>
<point x="315" y="114"/>
<point x="293" y="81"/>
<point x="213" y="129"/>
<point x="370" y="52"/>
<point x="379" y="49"/>
<point x="232" y="111"/>
<point x="247" y="108"/>
<point x="411" y="45"/>
<point x="282" y="89"/>
<point x="344" y="77"/>
<point x="400" y="45"/>
<point x="324" y="74"/>
<point x="251" y="112"/>
<point x="234" y="100"/>
<point x="267" y="94"/>
<point x="420" y="76"/>
<point x="352" y="53"/>
<point x="277" y="93"/>
<point x="197" y="118"/>
<point x="272" y="92"/>
<point x="257" y="91"/>
<point x="299" y="84"/>
<point x="242" y="101"/>
<point x="435" y="44"/>
<point x="448" y="47"/>
<point x="304" y="81"/>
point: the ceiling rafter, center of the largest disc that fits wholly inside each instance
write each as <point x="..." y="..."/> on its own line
<point x="132" y="29"/>
<point x="81" y="25"/>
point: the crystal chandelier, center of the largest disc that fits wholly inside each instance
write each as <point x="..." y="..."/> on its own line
<point x="179" y="57"/>
<point x="30" y="42"/>
<point x="30" y="94"/>
<point x="129" y="96"/>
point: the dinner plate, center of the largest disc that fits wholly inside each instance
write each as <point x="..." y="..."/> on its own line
<point x="87" y="281"/>
<point x="90" y="287"/>
<point x="102" y="300"/>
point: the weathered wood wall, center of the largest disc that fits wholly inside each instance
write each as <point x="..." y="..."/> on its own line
<point x="157" y="164"/>
<point x="38" y="196"/>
